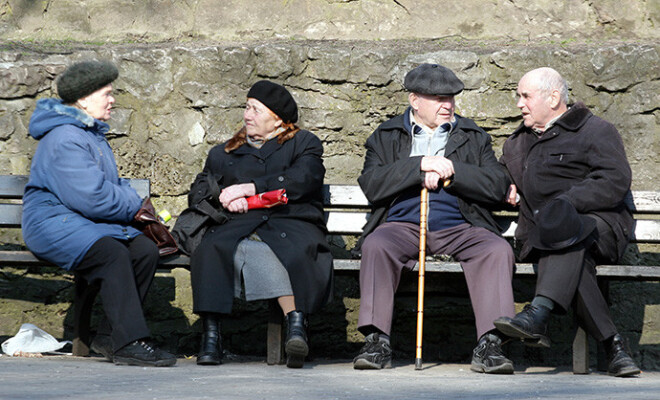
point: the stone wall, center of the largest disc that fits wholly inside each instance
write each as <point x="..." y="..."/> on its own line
<point x="221" y="20"/>
<point x="175" y="101"/>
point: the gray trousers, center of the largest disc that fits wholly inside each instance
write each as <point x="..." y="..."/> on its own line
<point x="487" y="261"/>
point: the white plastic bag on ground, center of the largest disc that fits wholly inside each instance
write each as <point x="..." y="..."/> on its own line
<point x="31" y="339"/>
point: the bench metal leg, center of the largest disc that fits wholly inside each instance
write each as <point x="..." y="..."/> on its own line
<point x="83" y="303"/>
<point x="581" y="352"/>
<point x="275" y="341"/>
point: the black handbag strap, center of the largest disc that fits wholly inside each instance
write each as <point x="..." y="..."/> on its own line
<point x="216" y="215"/>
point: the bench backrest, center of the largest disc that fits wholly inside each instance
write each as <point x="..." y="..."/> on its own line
<point x="11" y="192"/>
<point x="347" y="209"/>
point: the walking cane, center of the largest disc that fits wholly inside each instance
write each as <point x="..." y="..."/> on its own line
<point x="423" y="215"/>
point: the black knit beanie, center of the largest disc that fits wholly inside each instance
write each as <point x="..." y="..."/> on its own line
<point x="276" y="98"/>
<point x="83" y="78"/>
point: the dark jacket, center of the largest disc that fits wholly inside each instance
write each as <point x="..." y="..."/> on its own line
<point x="480" y="183"/>
<point x="295" y="231"/>
<point x="581" y="159"/>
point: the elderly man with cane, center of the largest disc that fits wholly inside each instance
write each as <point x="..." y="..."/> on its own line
<point x="430" y="147"/>
<point x="570" y="177"/>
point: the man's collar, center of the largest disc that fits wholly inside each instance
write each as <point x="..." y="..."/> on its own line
<point x="446" y="127"/>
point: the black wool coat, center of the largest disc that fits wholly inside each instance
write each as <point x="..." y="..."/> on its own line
<point x="295" y="231"/>
<point x="581" y="159"/>
<point x="480" y="183"/>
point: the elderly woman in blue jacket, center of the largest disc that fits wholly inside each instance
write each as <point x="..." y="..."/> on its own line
<point x="77" y="212"/>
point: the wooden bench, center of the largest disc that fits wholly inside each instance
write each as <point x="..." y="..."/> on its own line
<point x="347" y="211"/>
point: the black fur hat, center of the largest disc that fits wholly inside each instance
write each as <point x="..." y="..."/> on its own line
<point x="83" y="78"/>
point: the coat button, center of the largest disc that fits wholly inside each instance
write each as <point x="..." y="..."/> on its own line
<point x="265" y="217"/>
<point x="283" y="234"/>
<point x="280" y="178"/>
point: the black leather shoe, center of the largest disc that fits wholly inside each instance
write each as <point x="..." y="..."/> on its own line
<point x="530" y="325"/>
<point x="102" y="344"/>
<point x="143" y="354"/>
<point x="488" y="357"/>
<point x="620" y="363"/>
<point x="296" y="347"/>
<point x="210" y="352"/>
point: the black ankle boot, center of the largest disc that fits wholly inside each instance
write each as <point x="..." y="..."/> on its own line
<point x="210" y="352"/>
<point x="296" y="339"/>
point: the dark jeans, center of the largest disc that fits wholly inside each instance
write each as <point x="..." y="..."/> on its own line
<point x="125" y="270"/>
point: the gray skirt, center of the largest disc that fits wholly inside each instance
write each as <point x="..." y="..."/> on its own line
<point x="262" y="273"/>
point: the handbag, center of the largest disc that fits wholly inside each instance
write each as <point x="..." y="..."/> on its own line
<point x="192" y="224"/>
<point x="151" y="227"/>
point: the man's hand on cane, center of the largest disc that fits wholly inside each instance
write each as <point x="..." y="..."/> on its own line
<point x="442" y="166"/>
<point x="439" y="171"/>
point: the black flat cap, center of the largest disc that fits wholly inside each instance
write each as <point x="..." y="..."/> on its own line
<point x="83" y="78"/>
<point x="433" y="79"/>
<point x="276" y="98"/>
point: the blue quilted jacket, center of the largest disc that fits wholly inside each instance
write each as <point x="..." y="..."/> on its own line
<point x="74" y="196"/>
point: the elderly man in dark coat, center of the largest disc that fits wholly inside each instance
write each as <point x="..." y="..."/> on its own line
<point x="430" y="146"/>
<point x="570" y="177"/>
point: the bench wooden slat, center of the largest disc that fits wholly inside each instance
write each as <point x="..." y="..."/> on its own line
<point x="618" y="271"/>
<point x="345" y="222"/>
<point x="11" y="186"/>
<point x="10" y="215"/>
<point x="640" y="201"/>
<point x="20" y="257"/>
<point x="344" y="196"/>
<point x="643" y="201"/>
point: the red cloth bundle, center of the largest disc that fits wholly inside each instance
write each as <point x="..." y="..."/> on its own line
<point x="267" y="199"/>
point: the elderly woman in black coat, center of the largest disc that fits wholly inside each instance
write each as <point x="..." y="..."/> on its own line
<point x="280" y="252"/>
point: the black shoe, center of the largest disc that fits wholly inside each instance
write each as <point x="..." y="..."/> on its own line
<point x="102" y="344"/>
<point x="210" y="352"/>
<point x="375" y="354"/>
<point x="143" y="354"/>
<point x="530" y="325"/>
<point x="620" y="363"/>
<point x="295" y="346"/>
<point x="488" y="356"/>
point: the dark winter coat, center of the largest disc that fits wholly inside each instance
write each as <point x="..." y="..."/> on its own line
<point x="581" y="159"/>
<point x="479" y="182"/>
<point x="295" y="231"/>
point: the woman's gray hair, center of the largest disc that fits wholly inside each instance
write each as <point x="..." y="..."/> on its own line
<point x="549" y="80"/>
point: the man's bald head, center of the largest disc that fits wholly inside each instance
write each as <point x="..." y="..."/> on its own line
<point x="542" y="96"/>
<point x="546" y="80"/>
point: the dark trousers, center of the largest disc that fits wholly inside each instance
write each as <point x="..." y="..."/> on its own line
<point x="124" y="270"/>
<point x="568" y="277"/>
<point x="487" y="261"/>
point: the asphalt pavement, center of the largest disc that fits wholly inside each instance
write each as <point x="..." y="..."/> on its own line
<point x="72" y="378"/>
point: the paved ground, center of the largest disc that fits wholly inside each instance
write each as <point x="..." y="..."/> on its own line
<point x="65" y="377"/>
